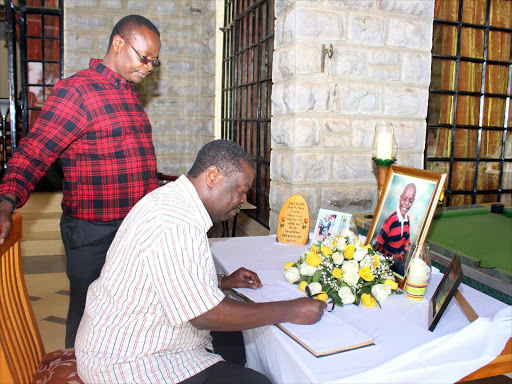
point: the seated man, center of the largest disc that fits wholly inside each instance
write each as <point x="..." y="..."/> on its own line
<point x="148" y="316"/>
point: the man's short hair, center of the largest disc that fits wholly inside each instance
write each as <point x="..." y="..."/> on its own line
<point x="130" y="24"/>
<point x="226" y="155"/>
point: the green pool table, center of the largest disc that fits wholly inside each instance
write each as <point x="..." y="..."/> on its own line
<point x="482" y="239"/>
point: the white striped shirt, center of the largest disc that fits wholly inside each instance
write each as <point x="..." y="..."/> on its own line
<point x="158" y="275"/>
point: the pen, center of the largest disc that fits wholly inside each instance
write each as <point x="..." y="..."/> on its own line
<point x="308" y="292"/>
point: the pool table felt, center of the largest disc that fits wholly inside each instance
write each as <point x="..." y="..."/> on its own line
<point x="476" y="233"/>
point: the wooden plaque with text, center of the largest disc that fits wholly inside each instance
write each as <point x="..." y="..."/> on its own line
<point x="293" y="222"/>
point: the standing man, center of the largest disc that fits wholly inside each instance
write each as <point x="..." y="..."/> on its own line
<point x="95" y="123"/>
<point x="148" y="316"/>
<point x="395" y="235"/>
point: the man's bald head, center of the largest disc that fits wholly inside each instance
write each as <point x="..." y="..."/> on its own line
<point x="407" y="198"/>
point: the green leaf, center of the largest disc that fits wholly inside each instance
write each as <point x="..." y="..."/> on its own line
<point x="317" y="276"/>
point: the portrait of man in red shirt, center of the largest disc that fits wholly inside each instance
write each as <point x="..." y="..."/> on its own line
<point x="394" y="237"/>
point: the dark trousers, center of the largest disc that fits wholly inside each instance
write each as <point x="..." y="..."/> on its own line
<point x="86" y="244"/>
<point x="230" y="345"/>
<point x="226" y="372"/>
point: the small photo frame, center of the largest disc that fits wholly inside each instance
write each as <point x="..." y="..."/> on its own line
<point x="404" y="213"/>
<point x="330" y="223"/>
<point x="444" y="292"/>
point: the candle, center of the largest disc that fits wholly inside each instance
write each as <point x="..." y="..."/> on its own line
<point x="384" y="145"/>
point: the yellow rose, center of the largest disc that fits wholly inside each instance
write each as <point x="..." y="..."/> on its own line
<point x="322" y="296"/>
<point x="376" y="261"/>
<point x="334" y="243"/>
<point x="368" y="300"/>
<point x="349" y="251"/>
<point x="366" y="273"/>
<point x="288" y="265"/>
<point x="313" y="259"/>
<point x="336" y="272"/>
<point x="392" y="284"/>
<point x="314" y="248"/>
<point x="326" y="251"/>
<point x="302" y="286"/>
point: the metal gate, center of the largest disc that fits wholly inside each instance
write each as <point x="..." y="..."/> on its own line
<point x="246" y="89"/>
<point x="34" y="34"/>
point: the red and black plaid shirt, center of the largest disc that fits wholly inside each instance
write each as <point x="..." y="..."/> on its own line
<point x="96" y="124"/>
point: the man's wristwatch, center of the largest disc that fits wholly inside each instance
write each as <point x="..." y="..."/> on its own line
<point x="9" y="200"/>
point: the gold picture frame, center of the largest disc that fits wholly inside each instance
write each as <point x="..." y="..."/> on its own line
<point x="390" y="228"/>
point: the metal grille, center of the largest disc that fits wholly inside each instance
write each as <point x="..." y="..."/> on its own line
<point x="465" y="117"/>
<point x="36" y="27"/>
<point x="246" y="89"/>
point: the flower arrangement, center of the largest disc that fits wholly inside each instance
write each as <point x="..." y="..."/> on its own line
<point x="342" y="268"/>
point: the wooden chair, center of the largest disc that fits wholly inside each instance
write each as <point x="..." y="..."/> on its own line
<point x="22" y="356"/>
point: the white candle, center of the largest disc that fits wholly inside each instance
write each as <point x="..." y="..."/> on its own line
<point x="384" y="145"/>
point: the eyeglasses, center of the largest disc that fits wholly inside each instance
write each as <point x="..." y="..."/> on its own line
<point x="143" y="59"/>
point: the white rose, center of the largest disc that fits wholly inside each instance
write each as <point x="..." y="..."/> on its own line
<point x="337" y="258"/>
<point x="350" y="278"/>
<point x="346" y="295"/>
<point x="359" y="254"/>
<point x="292" y="275"/>
<point x="367" y="260"/>
<point x="350" y="267"/>
<point x="307" y="270"/>
<point x="381" y="291"/>
<point x="345" y="232"/>
<point x="340" y="241"/>
<point x="315" y="288"/>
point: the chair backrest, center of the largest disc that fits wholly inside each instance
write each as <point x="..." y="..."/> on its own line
<point x="21" y="347"/>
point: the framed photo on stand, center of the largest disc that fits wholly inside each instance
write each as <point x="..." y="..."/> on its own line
<point x="404" y="213"/>
<point x="446" y="289"/>
<point x="330" y="223"/>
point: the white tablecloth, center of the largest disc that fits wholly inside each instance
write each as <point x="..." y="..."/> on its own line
<point x="404" y="351"/>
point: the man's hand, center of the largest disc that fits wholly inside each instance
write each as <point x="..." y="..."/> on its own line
<point x="5" y="220"/>
<point x="241" y="278"/>
<point x="306" y="311"/>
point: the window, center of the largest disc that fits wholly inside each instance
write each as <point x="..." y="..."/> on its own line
<point x="469" y="122"/>
<point x="246" y="89"/>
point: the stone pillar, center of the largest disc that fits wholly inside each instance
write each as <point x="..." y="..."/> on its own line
<point x="323" y="122"/>
<point x="179" y="96"/>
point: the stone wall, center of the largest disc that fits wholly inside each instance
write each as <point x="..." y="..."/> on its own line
<point x="179" y="96"/>
<point x="323" y="123"/>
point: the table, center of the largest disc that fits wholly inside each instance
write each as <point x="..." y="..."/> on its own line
<point x="408" y="353"/>
<point x="469" y="231"/>
<point x="482" y="239"/>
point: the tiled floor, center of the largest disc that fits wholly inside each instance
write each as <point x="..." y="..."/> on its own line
<point x="48" y="285"/>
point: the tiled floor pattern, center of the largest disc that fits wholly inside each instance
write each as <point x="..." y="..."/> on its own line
<point x="48" y="285"/>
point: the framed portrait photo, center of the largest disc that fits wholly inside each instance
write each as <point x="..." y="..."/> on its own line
<point x="444" y="292"/>
<point x="330" y="223"/>
<point x="404" y="213"/>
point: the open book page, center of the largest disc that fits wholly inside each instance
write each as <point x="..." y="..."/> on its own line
<point x="330" y="335"/>
<point x="275" y="291"/>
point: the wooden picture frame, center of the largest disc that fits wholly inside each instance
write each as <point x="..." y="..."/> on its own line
<point x="385" y="235"/>
<point x="444" y="292"/>
<point x="330" y="223"/>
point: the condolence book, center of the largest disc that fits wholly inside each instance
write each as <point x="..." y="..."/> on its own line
<point x="330" y="335"/>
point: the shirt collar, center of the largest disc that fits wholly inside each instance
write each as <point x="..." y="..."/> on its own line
<point x="400" y="217"/>
<point x="110" y="75"/>
<point x="185" y="183"/>
<point x="402" y="220"/>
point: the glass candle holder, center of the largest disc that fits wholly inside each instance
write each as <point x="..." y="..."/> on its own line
<point x="418" y="267"/>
